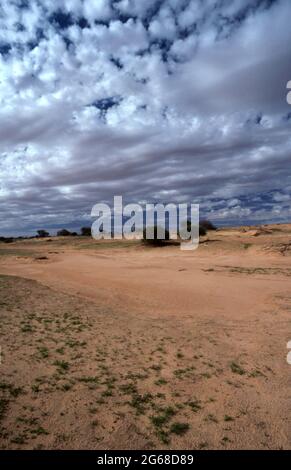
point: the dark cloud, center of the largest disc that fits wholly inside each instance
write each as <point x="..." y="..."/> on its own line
<point x="163" y="100"/>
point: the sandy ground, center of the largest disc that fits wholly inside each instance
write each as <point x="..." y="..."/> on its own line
<point x="116" y="345"/>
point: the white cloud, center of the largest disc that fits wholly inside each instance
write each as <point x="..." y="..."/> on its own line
<point x="88" y="112"/>
<point x="163" y="25"/>
<point x="97" y="10"/>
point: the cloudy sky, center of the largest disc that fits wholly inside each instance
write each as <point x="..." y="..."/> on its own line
<point x="155" y="100"/>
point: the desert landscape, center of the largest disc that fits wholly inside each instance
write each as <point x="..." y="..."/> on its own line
<point x="118" y="345"/>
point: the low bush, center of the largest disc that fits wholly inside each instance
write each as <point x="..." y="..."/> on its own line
<point x="153" y="238"/>
<point x="86" y="231"/>
<point x="64" y="233"/>
<point x="42" y="234"/>
<point x="207" y="225"/>
<point x="202" y="229"/>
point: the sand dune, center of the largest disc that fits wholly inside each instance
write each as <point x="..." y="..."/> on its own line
<point x="180" y="349"/>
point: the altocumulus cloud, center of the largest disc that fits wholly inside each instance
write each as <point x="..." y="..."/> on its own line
<point x="157" y="100"/>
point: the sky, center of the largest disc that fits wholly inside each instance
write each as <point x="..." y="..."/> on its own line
<point x="156" y="100"/>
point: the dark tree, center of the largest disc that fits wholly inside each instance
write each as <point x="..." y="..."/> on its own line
<point x="207" y="225"/>
<point x="202" y="230"/>
<point x="154" y="240"/>
<point x="64" y="233"/>
<point x="6" y="239"/>
<point x="42" y="233"/>
<point x="86" y="231"/>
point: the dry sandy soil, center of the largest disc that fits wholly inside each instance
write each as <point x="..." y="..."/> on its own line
<point x="114" y="345"/>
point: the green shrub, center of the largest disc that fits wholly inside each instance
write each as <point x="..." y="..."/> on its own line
<point x="207" y="225"/>
<point x="154" y="240"/>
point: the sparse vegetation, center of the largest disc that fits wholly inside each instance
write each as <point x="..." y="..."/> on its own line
<point x="164" y="417"/>
<point x="43" y="351"/>
<point x="194" y="405"/>
<point x="62" y="365"/>
<point x="160" y="381"/>
<point x="179" y="428"/>
<point x="228" y="418"/>
<point x="236" y="368"/>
